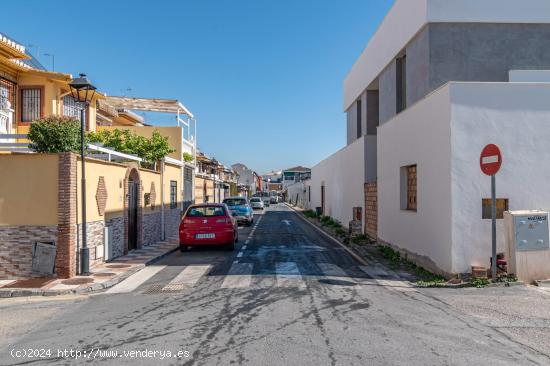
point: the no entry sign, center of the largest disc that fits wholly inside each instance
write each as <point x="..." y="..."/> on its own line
<point x="490" y="159"/>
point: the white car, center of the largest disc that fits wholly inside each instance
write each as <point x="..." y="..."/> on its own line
<point x="256" y="203"/>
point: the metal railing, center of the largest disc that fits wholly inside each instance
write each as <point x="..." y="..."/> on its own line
<point x="8" y="142"/>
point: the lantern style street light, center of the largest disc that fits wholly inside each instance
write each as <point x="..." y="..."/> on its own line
<point x="83" y="92"/>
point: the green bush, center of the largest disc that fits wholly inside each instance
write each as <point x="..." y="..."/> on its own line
<point x="55" y="134"/>
<point x="149" y="149"/>
<point x="340" y="232"/>
<point x="187" y="157"/>
<point x="310" y="213"/>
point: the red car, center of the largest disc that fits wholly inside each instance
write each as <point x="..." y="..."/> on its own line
<point x="208" y="224"/>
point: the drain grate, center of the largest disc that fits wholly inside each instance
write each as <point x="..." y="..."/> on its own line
<point x="159" y="288"/>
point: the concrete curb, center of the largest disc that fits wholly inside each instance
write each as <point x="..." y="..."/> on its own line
<point x="92" y="288"/>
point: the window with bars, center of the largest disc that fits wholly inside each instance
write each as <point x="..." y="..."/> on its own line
<point x="7" y="93"/>
<point x="409" y="186"/>
<point x="31" y="104"/>
<point x="173" y="194"/>
<point x="71" y="108"/>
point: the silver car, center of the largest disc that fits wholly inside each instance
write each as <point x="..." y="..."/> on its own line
<point x="256" y="203"/>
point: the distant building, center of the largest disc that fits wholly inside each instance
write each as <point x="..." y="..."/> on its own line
<point x="294" y="175"/>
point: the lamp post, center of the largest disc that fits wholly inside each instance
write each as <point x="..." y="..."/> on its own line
<point x="82" y="92"/>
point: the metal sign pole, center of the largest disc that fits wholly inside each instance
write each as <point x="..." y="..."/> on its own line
<point x="494" y="227"/>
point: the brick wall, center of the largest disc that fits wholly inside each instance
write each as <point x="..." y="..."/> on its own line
<point x="65" y="261"/>
<point x="16" y="248"/>
<point x="117" y="228"/>
<point x="151" y="228"/>
<point x="371" y="210"/>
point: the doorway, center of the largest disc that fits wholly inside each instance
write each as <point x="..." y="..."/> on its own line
<point x="132" y="214"/>
<point x="323" y="200"/>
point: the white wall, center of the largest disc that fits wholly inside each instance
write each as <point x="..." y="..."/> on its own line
<point x="529" y="76"/>
<point x="407" y="17"/>
<point x="420" y="135"/>
<point x="343" y="174"/>
<point x="516" y="117"/>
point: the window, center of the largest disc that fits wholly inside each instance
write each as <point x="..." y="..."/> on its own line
<point x="359" y="132"/>
<point x="409" y="185"/>
<point x="7" y="93"/>
<point x="31" y="104"/>
<point x="209" y="211"/>
<point x="71" y="108"/>
<point x="231" y="202"/>
<point x="401" y="83"/>
<point x="502" y="205"/>
<point x="173" y="194"/>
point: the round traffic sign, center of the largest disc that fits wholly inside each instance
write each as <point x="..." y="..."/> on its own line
<point x="490" y="159"/>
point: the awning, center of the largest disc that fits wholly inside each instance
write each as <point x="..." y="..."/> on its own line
<point x="149" y="105"/>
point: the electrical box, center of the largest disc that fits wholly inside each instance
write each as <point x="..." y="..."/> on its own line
<point x="528" y="249"/>
<point x="43" y="257"/>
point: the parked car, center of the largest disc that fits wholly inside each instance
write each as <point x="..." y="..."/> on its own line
<point x="257" y="203"/>
<point x="208" y="224"/>
<point x="240" y="209"/>
<point x="274" y="200"/>
<point x="264" y="196"/>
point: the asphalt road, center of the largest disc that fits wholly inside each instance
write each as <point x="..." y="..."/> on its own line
<point x="286" y="296"/>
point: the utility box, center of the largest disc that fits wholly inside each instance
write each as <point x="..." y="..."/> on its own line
<point x="528" y="249"/>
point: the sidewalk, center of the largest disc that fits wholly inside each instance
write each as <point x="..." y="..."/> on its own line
<point x="103" y="276"/>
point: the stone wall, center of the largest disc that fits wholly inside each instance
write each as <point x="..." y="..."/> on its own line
<point x="95" y="232"/>
<point x="16" y="244"/>
<point x="151" y="228"/>
<point x="117" y="228"/>
<point x="172" y="219"/>
<point x="371" y="210"/>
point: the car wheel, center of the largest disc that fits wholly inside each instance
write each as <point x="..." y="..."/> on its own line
<point x="237" y="238"/>
<point x="184" y="248"/>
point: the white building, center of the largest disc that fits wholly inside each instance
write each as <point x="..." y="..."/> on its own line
<point x="438" y="81"/>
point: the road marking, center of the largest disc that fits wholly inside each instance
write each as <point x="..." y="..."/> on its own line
<point x="244" y="247"/>
<point x="394" y="284"/>
<point x="239" y="276"/>
<point x="287" y="222"/>
<point x="288" y="275"/>
<point x="247" y="241"/>
<point x="240" y="254"/>
<point x="135" y="280"/>
<point x="188" y="277"/>
<point x="333" y="272"/>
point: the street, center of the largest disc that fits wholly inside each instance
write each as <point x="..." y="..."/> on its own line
<point x="286" y="295"/>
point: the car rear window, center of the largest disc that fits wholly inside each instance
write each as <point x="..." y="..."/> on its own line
<point x="255" y="200"/>
<point x="235" y="202"/>
<point x="207" y="211"/>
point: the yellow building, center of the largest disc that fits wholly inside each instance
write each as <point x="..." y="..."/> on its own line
<point x="28" y="93"/>
<point x="128" y="206"/>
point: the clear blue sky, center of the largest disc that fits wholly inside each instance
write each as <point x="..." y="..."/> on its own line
<point x="263" y="77"/>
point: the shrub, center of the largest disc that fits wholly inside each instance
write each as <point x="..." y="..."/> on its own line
<point x="55" y="134"/>
<point x="340" y="232"/>
<point x="187" y="157"/>
<point x="310" y="213"/>
<point x="126" y="141"/>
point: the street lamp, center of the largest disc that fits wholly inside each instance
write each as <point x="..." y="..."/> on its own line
<point x="82" y="92"/>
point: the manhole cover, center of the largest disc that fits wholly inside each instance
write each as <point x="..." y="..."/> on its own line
<point x="118" y="265"/>
<point x="104" y="274"/>
<point x="77" y="281"/>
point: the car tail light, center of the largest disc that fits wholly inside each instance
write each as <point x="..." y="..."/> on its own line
<point x="188" y="221"/>
<point x="223" y="221"/>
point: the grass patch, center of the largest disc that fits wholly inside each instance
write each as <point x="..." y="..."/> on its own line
<point x="360" y="239"/>
<point x="310" y="213"/>
<point x="340" y="232"/>
<point x="428" y="279"/>
<point x="479" y="282"/>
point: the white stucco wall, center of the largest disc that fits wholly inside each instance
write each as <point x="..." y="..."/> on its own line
<point x="407" y="17"/>
<point x="420" y="135"/>
<point x="343" y="175"/>
<point x="516" y="117"/>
